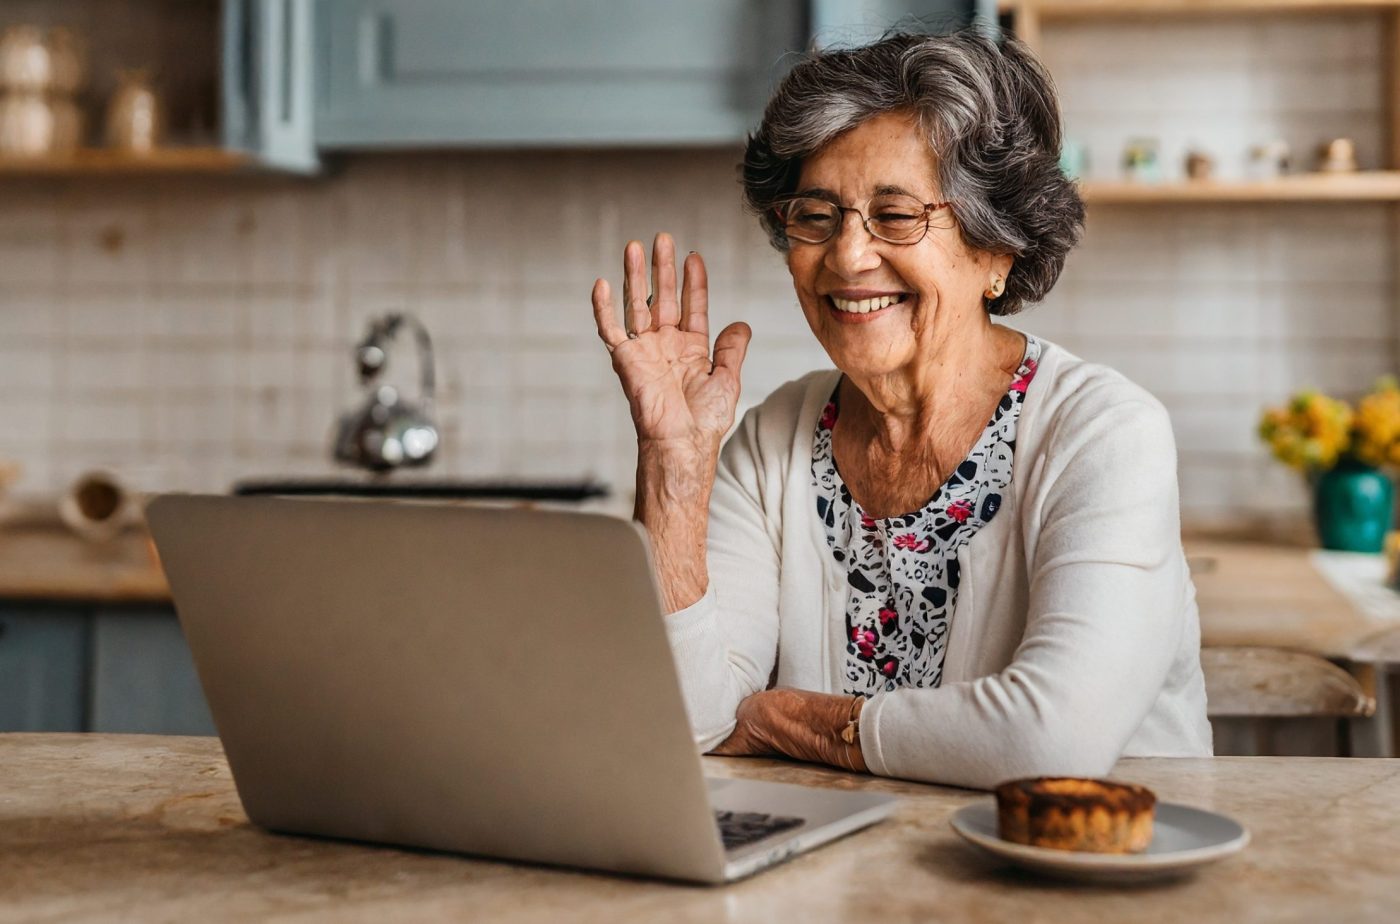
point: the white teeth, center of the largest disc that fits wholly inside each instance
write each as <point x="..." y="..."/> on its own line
<point x="866" y="305"/>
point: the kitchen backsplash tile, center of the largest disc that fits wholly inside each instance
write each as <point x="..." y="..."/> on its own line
<point x="466" y="316"/>
<point x="1308" y="310"/>
<point x="91" y="316"/>
<point x="107" y="238"/>
<point x="193" y="331"/>
<point x="99" y="371"/>
<point x="27" y="371"/>
<point x="28" y="317"/>
<point x="102" y="420"/>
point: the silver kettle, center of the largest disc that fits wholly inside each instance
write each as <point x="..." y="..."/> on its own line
<point x="387" y="432"/>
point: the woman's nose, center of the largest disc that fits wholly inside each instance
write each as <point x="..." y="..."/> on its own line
<point x="852" y="250"/>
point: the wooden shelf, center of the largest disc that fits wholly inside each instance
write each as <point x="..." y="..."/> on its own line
<point x="1030" y="16"/>
<point x="98" y="162"/>
<point x="1070" y="9"/>
<point x="1366" y="186"/>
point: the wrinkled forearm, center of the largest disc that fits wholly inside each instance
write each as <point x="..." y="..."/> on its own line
<point x="725" y="642"/>
<point x="673" y="497"/>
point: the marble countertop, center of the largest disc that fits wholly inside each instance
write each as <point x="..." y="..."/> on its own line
<point x="112" y="827"/>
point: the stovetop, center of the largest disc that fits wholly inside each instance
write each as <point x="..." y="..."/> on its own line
<point x="424" y="488"/>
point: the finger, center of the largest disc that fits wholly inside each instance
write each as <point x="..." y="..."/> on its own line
<point x="605" y="316"/>
<point x="731" y="346"/>
<point x="695" y="296"/>
<point x="664" y="310"/>
<point x="634" y="287"/>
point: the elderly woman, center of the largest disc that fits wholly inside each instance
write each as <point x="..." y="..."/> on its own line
<point x="956" y="557"/>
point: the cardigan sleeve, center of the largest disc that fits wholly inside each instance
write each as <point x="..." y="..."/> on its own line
<point x="1107" y="607"/>
<point x="725" y="644"/>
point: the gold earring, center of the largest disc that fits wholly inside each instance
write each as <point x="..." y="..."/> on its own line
<point x="996" y="288"/>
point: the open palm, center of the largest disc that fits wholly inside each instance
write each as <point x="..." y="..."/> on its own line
<point x="677" y="389"/>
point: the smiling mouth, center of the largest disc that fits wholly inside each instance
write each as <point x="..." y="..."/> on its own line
<point x="866" y="305"/>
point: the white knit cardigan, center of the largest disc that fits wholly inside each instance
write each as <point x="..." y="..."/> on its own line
<point x="1074" y="639"/>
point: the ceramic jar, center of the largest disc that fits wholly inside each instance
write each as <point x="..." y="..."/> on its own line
<point x="40" y="75"/>
<point x="25" y="62"/>
<point x="1353" y="505"/>
<point x="135" y="120"/>
<point x="98" y="506"/>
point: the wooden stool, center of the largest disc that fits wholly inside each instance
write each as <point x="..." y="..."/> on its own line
<point x="1270" y="701"/>
<point x="1377" y="661"/>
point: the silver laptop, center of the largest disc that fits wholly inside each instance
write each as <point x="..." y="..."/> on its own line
<point x="489" y="681"/>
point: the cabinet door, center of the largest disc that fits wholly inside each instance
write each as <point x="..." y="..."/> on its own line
<point x="444" y="72"/>
<point x="143" y="678"/>
<point x="43" y="655"/>
<point x="267" y="82"/>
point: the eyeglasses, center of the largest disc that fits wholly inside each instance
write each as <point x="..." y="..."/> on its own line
<point x="897" y="219"/>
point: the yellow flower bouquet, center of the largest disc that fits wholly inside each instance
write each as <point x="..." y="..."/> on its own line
<point x="1376" y="425"/>
<point x="1310" y="432"/>
<point x="1341" y="451"/>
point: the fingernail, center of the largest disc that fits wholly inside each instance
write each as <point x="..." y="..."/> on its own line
<point x="692" y="253"/>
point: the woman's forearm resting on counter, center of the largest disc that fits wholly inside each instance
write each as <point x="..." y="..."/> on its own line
<point x="799" y="724"/>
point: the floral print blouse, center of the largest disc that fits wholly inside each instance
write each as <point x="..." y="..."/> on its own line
<point x="903" y="570"/>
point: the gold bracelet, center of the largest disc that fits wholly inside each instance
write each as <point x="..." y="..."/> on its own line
<point x="852" y="729"/>
<point x="851" y="733"/>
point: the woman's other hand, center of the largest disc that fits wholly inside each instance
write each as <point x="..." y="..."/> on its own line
<point x="681" y="396"/>
<point x="795" y="723"/>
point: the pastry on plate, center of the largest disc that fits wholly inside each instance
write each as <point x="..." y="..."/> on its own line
<point x="1068" y="813"/>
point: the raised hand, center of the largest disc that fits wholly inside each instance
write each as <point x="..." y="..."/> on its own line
<point x="679" y="393"/>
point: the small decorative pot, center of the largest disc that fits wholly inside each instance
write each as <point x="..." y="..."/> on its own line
<point x="1352" y="505"/>
<point x="135" y="117"/>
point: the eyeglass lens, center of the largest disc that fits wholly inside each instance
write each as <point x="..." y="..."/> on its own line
<point x="896" y="219"/>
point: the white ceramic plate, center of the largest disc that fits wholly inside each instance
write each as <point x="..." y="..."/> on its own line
<point x="1182" y="839"/>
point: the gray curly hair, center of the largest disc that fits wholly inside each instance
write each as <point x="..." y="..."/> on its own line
<point x="993" y="123"/>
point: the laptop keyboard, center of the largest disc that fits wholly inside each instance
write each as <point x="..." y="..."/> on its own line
<point x="739" y="829"/>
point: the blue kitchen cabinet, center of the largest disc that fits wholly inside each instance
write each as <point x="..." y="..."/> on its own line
<point x="43" y="668"/>
<point x="404" y="73"/>
<point x="836" y="23"/>
<point x="303" y="77"/>
<point x="143" y="676"/>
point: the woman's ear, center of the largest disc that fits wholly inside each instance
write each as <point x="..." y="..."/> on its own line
<point x="999" y="268"/>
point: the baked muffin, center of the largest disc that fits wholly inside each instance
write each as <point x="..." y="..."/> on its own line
<point x="1067" y="813"/>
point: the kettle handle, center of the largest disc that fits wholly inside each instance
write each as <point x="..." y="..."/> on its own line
<point x="373" y="355"/>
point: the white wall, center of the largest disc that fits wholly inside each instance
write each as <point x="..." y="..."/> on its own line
<point x="188" y="332"/>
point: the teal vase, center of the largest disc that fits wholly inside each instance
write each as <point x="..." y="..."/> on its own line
<point x="1353" y="504"/>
